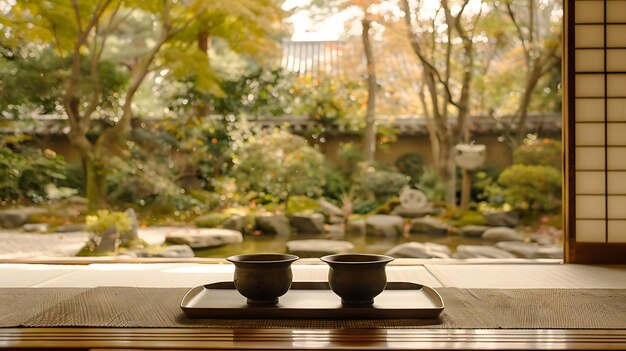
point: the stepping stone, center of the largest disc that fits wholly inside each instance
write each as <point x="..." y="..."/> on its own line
<point x="199" y="238"/>
<point x="318" y="247"/>
<point x="502" y="234"/>
<point x="384" y="225"/>
<point x="419" y="250"/>
<point x="531" y="250"/>
<point x="481" y="251"/>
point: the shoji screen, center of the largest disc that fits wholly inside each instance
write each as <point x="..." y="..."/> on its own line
<point x="596" y="128"/>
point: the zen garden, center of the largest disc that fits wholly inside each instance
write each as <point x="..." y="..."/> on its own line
<point x="209" y="128"/>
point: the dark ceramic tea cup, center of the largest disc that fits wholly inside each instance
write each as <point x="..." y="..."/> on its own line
<point x="357" y="278"/>
<point x="263" y="278"/>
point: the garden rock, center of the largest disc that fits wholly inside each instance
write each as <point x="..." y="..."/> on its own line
<point x="428" y="225"/>
<point x="132" y="233"/>
<point x="69" y="228"/>
<point x="173" y="251"/>
<point x="198" y="238"/>
<point x="356" y="226"/>
<point x="480" y="251"/>
<point x="419" y="250"/>
<point x="413" y="204"/>
<point x="384" y="225"/>
<point x="502" y="234"/>
<point x="473" y="231"/>
<point x="531" y="250"/>
<point x="501" y="219"/>
<point x="108" y="241"/>
<point x="17" y="217"/>
<point x="542" y="239"/>
<point x="318" y="247"/>
<point x="308" y="223"/>
<point x="234" y="222"/>
<point x="35" y="227"/>
<point x="273" y="224"/>
<point x="330" y="209"/>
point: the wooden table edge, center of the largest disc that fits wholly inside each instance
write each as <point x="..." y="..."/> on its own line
<point x="312" y="339"/>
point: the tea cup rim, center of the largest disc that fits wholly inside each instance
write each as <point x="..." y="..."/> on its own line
<point x="336" y="259"/>
<point x="244" y="258"/>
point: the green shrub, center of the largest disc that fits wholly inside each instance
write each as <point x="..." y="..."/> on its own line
<point x="412" y="165"/>
<point x="279" y="164"/>
<point x="539" y="152"/>
<point x="464" y="218"/>
<point x="211" y="220"/>
<point x="335" y="184"/>
<point x="432" y="186"/>
<point x="303" y="204"/>
<point x="26" y="172"/>
<point x="383" y="184"/>
<point x="105" y="219"/>
<point x="532" y="188"/>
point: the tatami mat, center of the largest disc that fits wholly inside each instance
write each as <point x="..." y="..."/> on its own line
<point x="530" y="276"/>
<point x="188" y="275"/>
<point x="173" y="275"/>
<point x="25" y="275"/>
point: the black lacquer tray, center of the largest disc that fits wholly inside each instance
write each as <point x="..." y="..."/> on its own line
<point x="313" y="300"/>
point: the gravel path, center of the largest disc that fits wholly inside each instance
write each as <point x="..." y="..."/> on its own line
<point x="14" y="245"/>
<point x="17" y="244"/>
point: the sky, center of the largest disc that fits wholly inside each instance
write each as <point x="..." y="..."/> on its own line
<point x="306" y="29"/>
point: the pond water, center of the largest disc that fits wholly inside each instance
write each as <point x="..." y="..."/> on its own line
<point x="362" y="243"/>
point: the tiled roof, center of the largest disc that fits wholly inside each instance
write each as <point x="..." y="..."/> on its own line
<point x="404" y="125"/>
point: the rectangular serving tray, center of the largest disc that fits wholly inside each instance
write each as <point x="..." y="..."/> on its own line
<point x="313" y="300"/>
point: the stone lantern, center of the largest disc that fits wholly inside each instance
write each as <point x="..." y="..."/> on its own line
<point x="468" y="157"/>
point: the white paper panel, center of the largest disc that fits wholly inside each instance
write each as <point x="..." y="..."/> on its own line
<point x="616" y="134"/>
<point x="615" y="36"/>
<point x="589" y="134"/>
<point x="590" y="183"/>
<point x="616" y="84"/>
<point x="616" y="110"/>
<point x="589" y="36"/>
<point x="589" y="60"/>
<point x="589" y="206"/>
<point x="590" y="231"/>
<point x="617" y="207"/>
<point x="615" y="60"/>
<point x="616" y="158"/>
<point x="590" y="158"/>
<point x="615" y="11"/>
<point x="616" y="183"/>
<point x="617" y="231"/>
<point x="590" y="110"/>
<point x="589" y="12"/>
<point x="589" y="85"/>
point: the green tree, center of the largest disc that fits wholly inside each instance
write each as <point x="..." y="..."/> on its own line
<point x="538" y="31"/>
<point x="444" y="43"/>
<point x="140" y="37"/>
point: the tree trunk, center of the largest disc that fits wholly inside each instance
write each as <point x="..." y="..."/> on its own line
<point x="204" y="43"/>
<point x="369" y="138"/>
<point x="447" y="171"/>
<point x="95" y="179"/>
<point x="466" y="189"/>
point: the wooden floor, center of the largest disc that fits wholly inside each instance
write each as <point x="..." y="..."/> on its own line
<point x="509" y="274"/>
